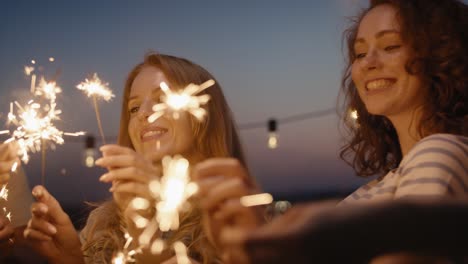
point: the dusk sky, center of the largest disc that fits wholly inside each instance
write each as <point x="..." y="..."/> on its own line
<point x="272" y="58"/>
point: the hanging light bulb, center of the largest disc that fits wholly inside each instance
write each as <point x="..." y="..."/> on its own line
<point x="90" y="152"/>
<point x="272" y="135"/>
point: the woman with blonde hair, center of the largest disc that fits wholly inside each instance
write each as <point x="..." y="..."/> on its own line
<point x="135" y="161"/>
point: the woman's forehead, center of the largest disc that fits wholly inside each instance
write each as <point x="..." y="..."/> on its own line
<point x="147" y="80"/>
<point x="380" y="18"/>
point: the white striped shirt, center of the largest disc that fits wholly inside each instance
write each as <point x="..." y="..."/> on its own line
<point x="436" y="166"/>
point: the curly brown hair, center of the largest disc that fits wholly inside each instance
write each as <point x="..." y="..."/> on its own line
<point x="436" y="32"/>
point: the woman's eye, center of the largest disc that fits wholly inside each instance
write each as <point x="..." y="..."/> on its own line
<point x="392" y="47"/>
<point x="134" y="109"/>
<point x="360" y="55"/>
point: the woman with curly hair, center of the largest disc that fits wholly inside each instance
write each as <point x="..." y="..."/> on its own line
<point x="407" y="78"/>
<point x="134" y="162"/>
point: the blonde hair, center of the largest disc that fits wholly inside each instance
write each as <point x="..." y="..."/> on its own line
<point x="215" y="136"/>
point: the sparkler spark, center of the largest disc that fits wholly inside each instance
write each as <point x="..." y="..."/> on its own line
<point x="97" y="89"/>
<point x="181" y="253"/>
<point x="256" y="199"/>
<point x="4" y="196"/>
<point x="171" y="194"/>
<point x="183" y="100"/>
<point x="126" y="255"/>
<point x="4" y="193"/>
<point x="28" y="70"/>
<point x="34" y="123"/>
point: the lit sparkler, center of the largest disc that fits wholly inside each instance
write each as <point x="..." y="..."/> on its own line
<point x="95" y="88"/>
<point x="126" y="255"/>
<point x="171" y="194"/>
<point x="35" y="128"/>
<point x="183" y="100"/>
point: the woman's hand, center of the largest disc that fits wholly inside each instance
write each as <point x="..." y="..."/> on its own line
<point x="6" y="230"/>
<point x="8" y="158"/>
<point x="51" y="232"/>
<point x="129" y="172"/>
<point x="222" y="182"/>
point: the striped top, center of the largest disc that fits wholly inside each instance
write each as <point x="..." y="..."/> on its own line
<point x="436" y="166"/>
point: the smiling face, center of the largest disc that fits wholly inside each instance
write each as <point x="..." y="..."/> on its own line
<point x="165" y="136"/>
<point x="378" y="70"/>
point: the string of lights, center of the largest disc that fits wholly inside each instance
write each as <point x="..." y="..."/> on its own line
<point x="271" y="124"/>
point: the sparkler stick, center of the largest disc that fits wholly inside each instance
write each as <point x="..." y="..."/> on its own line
<point x="43" y="161"/>
<point x="98" y="118"/>
<point x="97" y="89"/>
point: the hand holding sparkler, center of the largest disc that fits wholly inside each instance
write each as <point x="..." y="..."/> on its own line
<point x="6" y="234"/>
<point x="51" y="232"/>
<point x="226" y="197"/>
<point x="129" y="173"/>
<point x="96" y="89"/>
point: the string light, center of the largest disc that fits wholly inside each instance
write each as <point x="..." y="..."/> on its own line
<point x="90" y="152"/>
<point x="272" y="135"/>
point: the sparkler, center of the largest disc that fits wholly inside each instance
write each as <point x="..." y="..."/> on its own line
<point x="126" y="256"/>
<point x="183" y="100"/>
<point x="35" y="128"/>
<point x="171" y="194"/>
<point x="95" y="88"/>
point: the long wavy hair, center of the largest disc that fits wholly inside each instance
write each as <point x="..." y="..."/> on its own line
<point x="437" y="34"/>
<point x="215" y="136"/>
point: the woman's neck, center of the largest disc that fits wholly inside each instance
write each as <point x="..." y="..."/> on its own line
<point x="407" y="128"/>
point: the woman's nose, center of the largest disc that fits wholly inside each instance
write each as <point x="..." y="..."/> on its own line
<point x="145" y="109"/>
<point x="371" y="61"/>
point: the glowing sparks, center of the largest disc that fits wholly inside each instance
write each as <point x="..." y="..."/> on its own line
<point x="256" y="199"/>
<point x="35" y="122"/>
<point x="4" y="193"/>
<point x="170" y="195"/>
<point x="126" y="255"/>
<point x="14" y="167"/>
<point x="7" y="214"/>
<point x="4" y="132"/>
<point x="51" y="59"/>
<point x="183" y="100"/>
<point x="353" y="114"/>
<point x="174" y="190"/>
<point x="95" y="87"/>
<point x="181" y="253"/>
<point x="28" y="70"/>
<point x="48" y="90"/>
<point x="75" y="134"/>
<point x="353" y="118"/>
